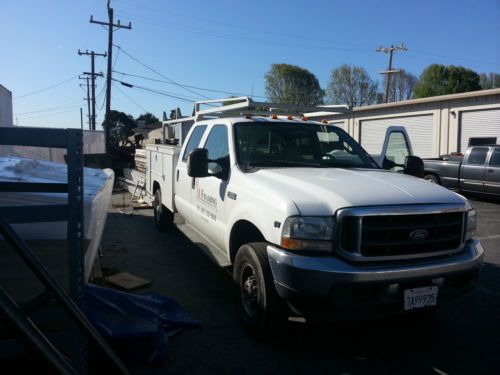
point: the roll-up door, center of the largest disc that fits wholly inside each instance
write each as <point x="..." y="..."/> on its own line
<point x="340" y="124"/>
<point x="478" y="124"/>
<point x="419" y="129"/>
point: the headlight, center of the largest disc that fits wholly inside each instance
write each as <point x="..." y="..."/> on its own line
<point x="470" y="224"/>
<point x="308" y="233"/>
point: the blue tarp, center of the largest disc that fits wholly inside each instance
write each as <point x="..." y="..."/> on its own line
<point x="137" y="326"/>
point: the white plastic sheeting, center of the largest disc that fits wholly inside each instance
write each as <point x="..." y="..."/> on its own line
<point x="98" y="185"/>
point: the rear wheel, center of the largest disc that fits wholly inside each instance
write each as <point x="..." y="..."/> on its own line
<point x="163" y="217"/>
<point x="432" y="178"/>
<point x="261" y="308"/>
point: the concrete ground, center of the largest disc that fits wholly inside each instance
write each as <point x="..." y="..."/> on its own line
<point x="462" y="336"/>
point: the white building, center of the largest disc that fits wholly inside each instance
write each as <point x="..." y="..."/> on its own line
<point x="436" y="125"/>
<point x="5" y="114"/>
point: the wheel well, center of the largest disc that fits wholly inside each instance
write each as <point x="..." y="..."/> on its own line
<point x="427" y="173"/>
<point x="156" y="186"/>
<point x="243" y="232"/>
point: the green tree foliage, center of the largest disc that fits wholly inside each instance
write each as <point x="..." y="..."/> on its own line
<point x="291" y="84"/>
<point x="148" y="118"/>
<point x="442" y="80"/>
<point x="351" y="85"/>
<point x="489" y="81"/>
<point x="121" y="126"/>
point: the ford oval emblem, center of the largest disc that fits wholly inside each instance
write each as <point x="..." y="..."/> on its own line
<point x="419" y="234"/>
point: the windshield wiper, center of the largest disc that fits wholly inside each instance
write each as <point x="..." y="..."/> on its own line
<point x="287" y="163"/>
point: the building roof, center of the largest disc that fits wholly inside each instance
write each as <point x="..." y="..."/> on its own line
<point x="5" y="90"/>
<point x="464" y="95"/>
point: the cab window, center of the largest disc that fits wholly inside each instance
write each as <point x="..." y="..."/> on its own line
<point x="194" y="140"/>
<point x="477" y="155"/>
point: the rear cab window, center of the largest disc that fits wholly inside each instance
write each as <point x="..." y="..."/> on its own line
<point x="194" y="140"/>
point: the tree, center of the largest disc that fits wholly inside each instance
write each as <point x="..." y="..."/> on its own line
<point x="291" y="84"/>
<point x="351" y="85"/>
<point x="442" y="80"/>
<point x="401" y="86"/>
<point x="489" y="81"/>
<point x="121" y="126"/>
<point x="148" y="118"/>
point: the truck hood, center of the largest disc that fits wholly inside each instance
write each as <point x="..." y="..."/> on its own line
<point x="323" y="191"/>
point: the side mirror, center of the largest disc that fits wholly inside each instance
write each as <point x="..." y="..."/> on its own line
<point x="197" y="163"/>
<point x="414" y="166"/>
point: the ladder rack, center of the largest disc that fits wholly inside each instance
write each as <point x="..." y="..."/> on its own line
<point x="244" y="105"/>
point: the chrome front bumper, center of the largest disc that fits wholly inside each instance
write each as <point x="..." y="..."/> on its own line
<point x="317" y="276"/>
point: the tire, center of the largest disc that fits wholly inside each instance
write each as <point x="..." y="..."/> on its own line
<point x="432" y="178"/>
<point x="163" y="217"/>
<point x="260" y="307"/>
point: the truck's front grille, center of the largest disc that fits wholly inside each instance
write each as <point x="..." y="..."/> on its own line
<point x="369" y="235"/>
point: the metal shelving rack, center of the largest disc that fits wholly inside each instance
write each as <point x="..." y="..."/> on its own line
<point x="16" y="316"/>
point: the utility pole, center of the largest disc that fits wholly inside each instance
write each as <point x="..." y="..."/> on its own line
<point x="93" y="74"/>
<point x="81" y="118"/>
<point x="111" y="26"/>
<point x="88" y="101"/>
<point x="390" y="50"/>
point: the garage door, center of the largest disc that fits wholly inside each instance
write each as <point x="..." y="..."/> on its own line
<point x="419" y="129"/>
<point x="340" y="124"/>
<point x="485" y="123"/>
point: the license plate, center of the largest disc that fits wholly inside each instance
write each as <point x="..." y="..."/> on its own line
<point x="418" y="298"/>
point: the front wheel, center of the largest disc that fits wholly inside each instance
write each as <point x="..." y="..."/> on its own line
<point x="261" y="308"/>
<point x="163" y="217"/>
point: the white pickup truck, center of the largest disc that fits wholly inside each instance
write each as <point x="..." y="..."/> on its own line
<point x="311" y="224"/>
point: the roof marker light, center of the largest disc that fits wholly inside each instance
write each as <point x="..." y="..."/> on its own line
<point x="290" y="117"/>
<point x="304" y="118"/>
<point x="274" y="117"/>
<point x="325" y="121"/>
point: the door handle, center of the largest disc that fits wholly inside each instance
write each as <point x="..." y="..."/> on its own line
<point x="177" y="176"/>
<point x="491" y="170"/>
<point x="193" y="182"/>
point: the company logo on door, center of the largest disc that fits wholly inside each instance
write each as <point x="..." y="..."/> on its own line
<point x="205" y="198"/>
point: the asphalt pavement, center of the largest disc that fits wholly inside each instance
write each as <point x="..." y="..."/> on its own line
<point x="462" y="336"/>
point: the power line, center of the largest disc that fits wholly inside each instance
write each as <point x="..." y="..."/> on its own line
<point x="129" y="98"/>
<point x="47" y="88"/>
<point x="184" y="85"/>
<point x="129" y="85"/>
<point x="160" y="74"/>
<point x="239" y="27"/>
<point x="49" y="109"/>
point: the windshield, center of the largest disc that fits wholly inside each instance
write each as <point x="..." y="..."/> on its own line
<point x="273" y="144"/>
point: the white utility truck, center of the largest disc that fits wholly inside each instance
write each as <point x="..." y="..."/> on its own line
<point x="310" y="223"/>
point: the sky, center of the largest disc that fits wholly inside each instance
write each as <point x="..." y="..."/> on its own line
<point x="222" y="45"/>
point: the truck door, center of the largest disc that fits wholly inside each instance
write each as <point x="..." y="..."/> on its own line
<point x="472" y="170"/>
<point x="209" y="198"/>
<point x="184" y="185"/>
<point x="492" y="175"/>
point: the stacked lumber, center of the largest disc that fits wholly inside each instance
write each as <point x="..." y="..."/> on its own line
<point x="140" y="160"/>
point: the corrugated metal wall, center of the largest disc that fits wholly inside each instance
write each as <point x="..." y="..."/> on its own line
<point x="483" y="123"/>
<point x="419" y="128"/>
